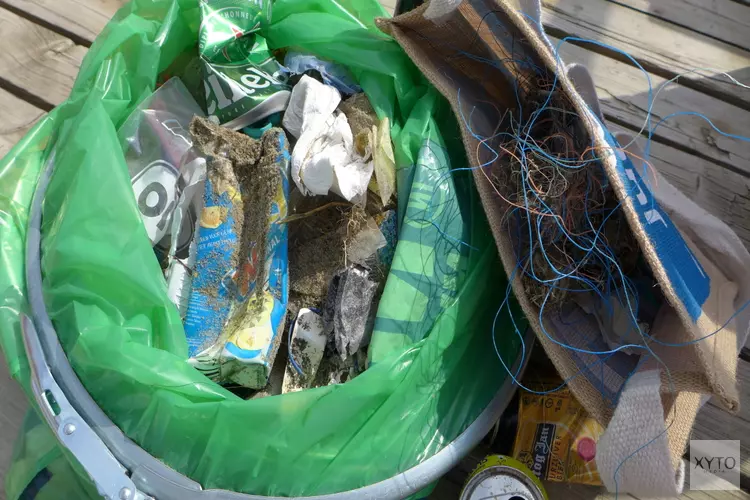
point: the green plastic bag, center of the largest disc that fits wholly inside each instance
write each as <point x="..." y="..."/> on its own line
<point x="433" y="366"/>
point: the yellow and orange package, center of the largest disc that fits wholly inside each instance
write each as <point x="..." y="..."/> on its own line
<point x="556" y="438"/>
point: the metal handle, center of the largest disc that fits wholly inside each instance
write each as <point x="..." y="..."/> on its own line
<point x="73" y="433"/>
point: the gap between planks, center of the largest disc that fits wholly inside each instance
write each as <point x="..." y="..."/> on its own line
<point x="624" y="96"/>
<point x="724" y="20"/>
<point x="79" y="20"/>
<point x="37" y="64"/>
<point x="18" y="117"/>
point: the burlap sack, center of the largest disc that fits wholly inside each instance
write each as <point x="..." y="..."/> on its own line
<point x="474" y="53"/>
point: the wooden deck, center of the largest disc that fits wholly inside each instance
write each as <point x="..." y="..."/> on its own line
<point x="44" y="42"/>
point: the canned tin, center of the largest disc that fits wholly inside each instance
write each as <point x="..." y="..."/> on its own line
<point x="226" y="27"/>
<point x="503" y="478"/>
<point x="243" y="81"/>
<point x="244" y="93"/>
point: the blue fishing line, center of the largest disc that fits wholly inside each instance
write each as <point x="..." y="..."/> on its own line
<point x="514" y="377"/>
<point x="699" y="115"/>
<point x="674" y="79"/>
<point x="638" y="65"/>
<point x="577" y="349"/>
<point x="446" y="235"/>
<point x="572" y="240"/>
<point x="480" y="138"/>
<point x="527" y="144"/>
<point x="593" y="288"/>
<point x="617" y="469"/>
<point x="505" y="301"/>
<point x="625" y="288"/>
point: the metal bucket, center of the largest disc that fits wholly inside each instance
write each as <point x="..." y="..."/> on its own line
<point x="118" y="467"/>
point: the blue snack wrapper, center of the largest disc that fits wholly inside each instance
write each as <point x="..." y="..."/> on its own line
<point x="209" y="305"/>
<point x="234" y="334"/>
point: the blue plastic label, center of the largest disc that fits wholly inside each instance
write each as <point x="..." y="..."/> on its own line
<point x="687" y="277"/>
<point x="210" y="304"/>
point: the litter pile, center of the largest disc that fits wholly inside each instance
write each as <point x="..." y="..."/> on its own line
<point x="574" y="248"/>
<point x="277" y="282"/>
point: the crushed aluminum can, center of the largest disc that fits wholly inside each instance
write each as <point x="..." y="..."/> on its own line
<point x="227" y="26"/>
<point x="239" y="95"/>
<point x="503" y="478"/>
<point x="243" y="82"/>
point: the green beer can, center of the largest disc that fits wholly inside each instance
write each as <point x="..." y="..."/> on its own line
<point x="242" y="80"/>
<point x="227" y="25"/>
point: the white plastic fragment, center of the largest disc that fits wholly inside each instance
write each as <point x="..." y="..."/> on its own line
<point x="306" y="348"/>
<point x="310" y="105"/>
<point x="323" y="159"/>
<point x="351" y="180"/>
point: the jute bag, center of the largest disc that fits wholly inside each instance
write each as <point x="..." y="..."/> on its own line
<point x="482" y="55"/>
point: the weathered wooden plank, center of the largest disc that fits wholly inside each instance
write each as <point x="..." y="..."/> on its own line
<point x="725" y="20"/>
<point x="721" y="192"/>
<point x="579" y="492"/>
<point x="388" y="5"/>
<point x="445" y="490"/>
<point x="713" y="422"/>
<point x="623" y="93"/>
<point x="662" y="47"/>
<point x="37" y="61"/>
<point x="17" y="118"/>
<point x="84" y="18"/>
<point x="743" y="384"/>
<point x="12" y="409"/>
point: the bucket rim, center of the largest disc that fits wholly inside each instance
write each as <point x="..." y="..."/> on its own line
<point x="121" y="469"/>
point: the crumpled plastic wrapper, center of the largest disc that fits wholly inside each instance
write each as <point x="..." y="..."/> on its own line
<point x="349" y="309"/>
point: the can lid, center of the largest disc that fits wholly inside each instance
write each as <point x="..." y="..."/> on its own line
<point x="586" y="448"/>
<point x="504" y="478"/>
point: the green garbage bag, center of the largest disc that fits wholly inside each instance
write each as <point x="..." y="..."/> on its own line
<point x="433" y="368"/>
